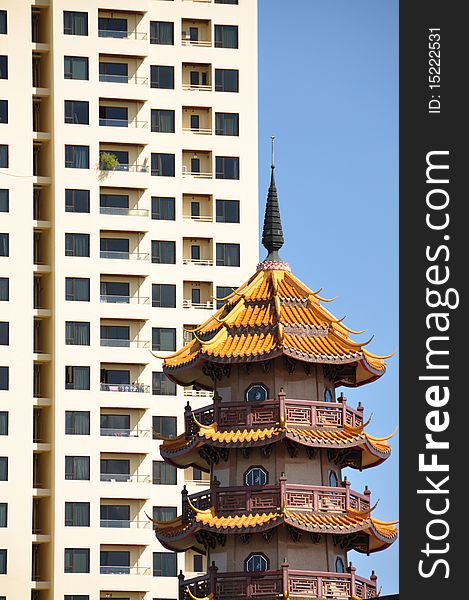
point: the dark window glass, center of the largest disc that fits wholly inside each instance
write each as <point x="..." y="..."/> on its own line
<point x="77" y="244"/>
<point x="3" y="111"/>
<point x="3" y="468"/>
<point x="164" y="564"/>
<point x="115" y="562"/>
<point x="116" y="335"/>
<point x="162" y="165"/>
<point x="4" y="244"/>
<point x="4" y="200"/>
<point x="115" y="470"/>
<point x="163" y="252"/>
<point x="115" y="515"/>
<point x="77" y="201"/>
<point x="122" y="157"/>
<point x="115" y="291"/>
<point x="114" y="116"/>
<point x="3" y="67"/>
<point x="163" y="208"/>
<point x="198" y="563"/>
<point x="195" y="122"/>
<point x="4" y="289"/>
<point x="163" y="473"/>
<point x="195" y="252"/>
<point x="115" y="376"/>
<point x="114" y="248"/>
<point x="112" y="425"/>
<point x="162" y="121"/>
<point x="164" y="426"/>
<point x="77" y="112"/>
<point x="119" y="201"/>
<point x="227" y="211"/>
<point x="77" y="468"/>
<point x="77" y="157"/>
<point x="163" y="295"/>
<point x="112" y="27"/>
<point x="77" y="422"/>
<point x="227" y="124"/>
<point x="76" y="67"/>
<point x="4" y="156"/>
<point x="256" y="476"/>
<point x="256" y="562"/>
<point x="3" y="22"/>
<point x="77" y="378"/>
<point x="75" y="23"/>
<point x="114" y="72"/>
<point x="227" y="255"/>
<point x="162" y="77"/>
<point x="3" y="562"/>
<point x="3" y="422"/>
<point x="227" y="167"/>
<point x="339" y="565"/>
<point x="163" y="339"/>
<point x="162" y="32"/>
<point x="77" y="289"/>
<point x="3" y="515"/>
<point x="164" y="513"/>
<point x="4" y="333"/>
<point x="226" y="36"/>
<point x="226" y="80"/>
<point x="4" y="378"/>
<point x="77" y="560"/>
<point x="77" y="514"/>
<point x="77" y="597"/>
<point x="226" y="1"/>
<point x="162" y="386"/>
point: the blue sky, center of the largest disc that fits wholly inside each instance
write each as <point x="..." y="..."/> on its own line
<point x="328" y="91"/>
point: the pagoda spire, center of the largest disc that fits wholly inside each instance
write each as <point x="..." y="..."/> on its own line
<point x="272" y="233"/>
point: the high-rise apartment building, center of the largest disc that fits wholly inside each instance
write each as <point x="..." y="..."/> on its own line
<point x="128" y="204"/>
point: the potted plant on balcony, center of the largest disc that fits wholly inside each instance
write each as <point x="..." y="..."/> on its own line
<point x="107" y="162"/>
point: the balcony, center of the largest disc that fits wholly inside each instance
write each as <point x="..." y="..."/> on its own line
<point x="120" y="343"/>
<point x="124" y="478"/>
<point x="127" y="212"/>
<point x="116" y="255"/>
<point x="123" y="570"/>
<point x="196" y="32"/>
<point x="284" y="583"/>
<point x="189" y="391"/>
<point x="197" y="77"/>
<point x="132" y="123"/>
<point x="135" y="388"/>
<point x="127" y="433"/>
<point x="122" y="34"/>
<point x="125" y="524"/>
<point x="125" y="167"/>
<point x="118" y="299"/>
<point x="208" y="305"/>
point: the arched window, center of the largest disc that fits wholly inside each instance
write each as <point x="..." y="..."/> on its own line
<point x="256" y="476"/>
<point x="333" y="479"/>
<point x="256" y="391"/>
<point x="256" y="562"/>
<point x="339" y="565"/>
<point x="328" y="395"/>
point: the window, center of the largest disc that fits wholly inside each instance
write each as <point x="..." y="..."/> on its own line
<point x="115" y="425"/>
<point x="164" y="513"/>
<point x="77" y="201"/>
<point x="3" y="514"/>
<point x="227" y="167"/>
<point x="4" y="422"/>
<point x="115" y="291"/>
<point x="77" y="597"/>
<point x="161" y="385"/>
<point x="4" y="289"/>
<point x="77" y="560"/>
<point x="114" y="248"/>
<point x="115" y="515"/>
<point x="75" y="23"/>
<point x="77" y="422"/>
<point x="163" y="473"/>
<point x="77" y="289"/>
<point x="226" y="80"/>
<point x="226" y="1"/>
<point x="227" y="255"/>
<point x="162" y="77"/>
<point x="339" y="565"/>
<point x="4" y="156"/>
<point x="226" y="36"/>
<point x="77" y="514"/>
<point x="227" y="211"/>
<point x="77" y="378"/>
<point x="256" y="562"/>
<point x="3" y="468"/>
<point x="3" y="22"/>
<point x="328" y="395"/>
<point x="163" y="252"/>
<point x="198" y="563"/>
<point x="163" y="295"/>
<point x="3" y="111"/>
<point x="256" y="476"/>
<point x="4" y="200"/>
<point x="114" y="116"/>
<point x="115" y="470"/>
<point x="112" y="27"/>
<point x="164" y="426"/>
<point x="4" y="244"/>
<point x="227" y="124"/>
<point x="162" y="208"/>
<point x="77" y="157"/>
<point x="257" y="392"/>
<point x="164" y="564"/>
<point x="3" y="562"/>
<point x="162" y="121"/>
<point x="115" y="562"/>
<point x="3" y="67"/>
<point x="163" y="339"/>
<point x="76" y="67"/>
<point x="4" y="378"/>
<point x="114" y="72"/>
<point x="111" y="202"/>
<point x="77" y="244"/>
<point x="115" y="376"/>
<point x="162" y="165"/>
<point x="76" y="112"/>
<point x="333" y="479"/>
<point x="222" y="292"/>
<point x="122" y="157"/>
<point x="4" y="333"/>
<point x="115" y="335"/>
<point x="162" y="32"/>
<point x="77" y="468"/>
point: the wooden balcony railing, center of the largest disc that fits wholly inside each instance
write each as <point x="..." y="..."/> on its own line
<point x="276" y="585"/>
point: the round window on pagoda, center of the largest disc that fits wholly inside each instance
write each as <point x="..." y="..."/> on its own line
<point x="328" y="395"/>
<point x="339" y="565"/>
<point x="333" y="479"/>
<point x="256" y="562"/>
<point x="256" y="476"/>
<point x="256" y="392"/>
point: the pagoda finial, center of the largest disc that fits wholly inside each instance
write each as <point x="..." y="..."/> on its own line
<point x="272" y="234"/>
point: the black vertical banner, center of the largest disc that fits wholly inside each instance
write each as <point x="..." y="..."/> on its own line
<point x="434" y="319"/>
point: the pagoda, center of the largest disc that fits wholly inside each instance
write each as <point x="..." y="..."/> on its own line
<point x="279" y="517"/>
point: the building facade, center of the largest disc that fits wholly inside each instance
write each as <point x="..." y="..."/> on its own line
<point x="128" y="204"/>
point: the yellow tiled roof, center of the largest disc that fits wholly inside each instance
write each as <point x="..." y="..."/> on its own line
<point x="273" y="314"/>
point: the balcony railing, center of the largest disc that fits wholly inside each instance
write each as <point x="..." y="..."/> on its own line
<point x="198" y="87"/>
<point x="279" y="584"/>
<point x="109" y="78"/>
<point x="115" y="299"/>
<point x="197" y="174"/>
<point x="127" y="168"/>
<point x="123" y="570"/>
<point x="114" y="255"/>
<point x="186" y="41"/>
<point x="197" y="261"/>
<point x="122" y="35"/>
<point x="201" y="218"/>
<point x="125" y="524"/>
<point x="139" y="388"/>
<point x="198" y="393"/>
<point x="208" y="305"/>
<point x="133" y="433"/>
<point x="123" y="123"/>
<point x="125" y="343"/>
<point x="198" y="130"/>
<point x="128" y="212"/>
<point x="125" y="478"/>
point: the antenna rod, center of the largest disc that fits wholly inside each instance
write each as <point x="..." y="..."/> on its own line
<point x="272" y="137"/>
